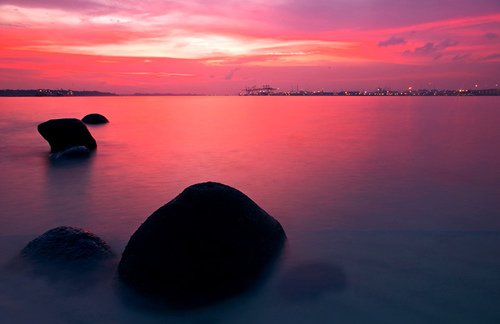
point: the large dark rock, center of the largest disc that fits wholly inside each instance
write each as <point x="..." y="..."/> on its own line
<point x="66" y="245"/>
<point x="95" y="119"/>
<point x="67" y="132"/>
<point x="208" y="243"/>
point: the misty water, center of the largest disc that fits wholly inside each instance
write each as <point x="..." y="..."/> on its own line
<point x="391" y="205"/>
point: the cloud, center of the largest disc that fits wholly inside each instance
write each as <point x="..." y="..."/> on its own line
<point x="461" y="57"/>
<point x="428" y="49"/>
<point x="447" y="43"/>
<point x="160" y="74"/>
<point x="392" y="41"/>
<point x="321" y="15"/>
<point x="78" y="39"/>
<point x="431" y="49"/>
<point x="57" y="4"/>
<point x="491" y="35"/>
<point x="492" y="57"/>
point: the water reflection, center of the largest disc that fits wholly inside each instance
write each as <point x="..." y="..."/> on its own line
<point x="68" y="278"/>
<point x="312" y="280"/>
<point x="319" y="165"/>
<point x="67" y="190"/>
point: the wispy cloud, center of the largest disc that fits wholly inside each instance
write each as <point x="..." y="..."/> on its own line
<point x="491" y="35"/>
<point x="184" y="42"/>
<point x="160" y="74"/>
<point x="432" y="49"/>
<point x="461" y="57"/>
<point x="492" y="57"/>
<point x="392" y="41"/>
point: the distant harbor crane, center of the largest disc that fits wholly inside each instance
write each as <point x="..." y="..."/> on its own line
<point x="265" y="90"/>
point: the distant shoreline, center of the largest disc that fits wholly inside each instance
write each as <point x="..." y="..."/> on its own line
<point x="52" y="93"/>
<point x="301" y="93"/>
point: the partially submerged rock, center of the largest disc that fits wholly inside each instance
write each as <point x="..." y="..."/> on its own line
<point x="208" y="243"/>
<point x="71" y="153"/>
<point x="63" y="245"/>
<point x="95" y="119"/>
<point x="65" y="133"/>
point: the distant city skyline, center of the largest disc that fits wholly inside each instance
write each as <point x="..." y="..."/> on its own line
<point x="223" y="46"/>
<point x="265" y="90"/>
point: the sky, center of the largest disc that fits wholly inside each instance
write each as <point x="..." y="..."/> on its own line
<point x="223" y="46"/>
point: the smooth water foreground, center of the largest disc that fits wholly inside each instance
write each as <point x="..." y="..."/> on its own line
<point x="391" y="205"/>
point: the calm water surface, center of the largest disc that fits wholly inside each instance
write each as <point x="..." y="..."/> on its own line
<point x="398" y="197"/>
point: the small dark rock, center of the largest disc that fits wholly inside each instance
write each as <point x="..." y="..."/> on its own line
<point x="207" y="244"/>
<point x="66" y="245"/>
<point x="67" y="132"/>
<point x="95" y="119"/>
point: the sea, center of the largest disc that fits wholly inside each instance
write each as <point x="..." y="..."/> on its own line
<point x="391" y="205"/>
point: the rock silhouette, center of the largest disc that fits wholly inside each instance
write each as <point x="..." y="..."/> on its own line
<point x="95" y="119"/>
<point x="66" y="132"/>
<point x="208" y="243"/>
<point x="66" y="244"/>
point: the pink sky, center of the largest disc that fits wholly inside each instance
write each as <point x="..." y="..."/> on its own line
<point x="220" y="47"/>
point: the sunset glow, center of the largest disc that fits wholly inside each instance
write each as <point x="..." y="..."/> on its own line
<point x="223" y="46"/>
